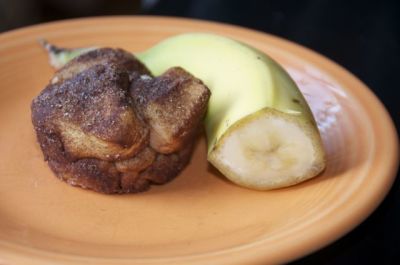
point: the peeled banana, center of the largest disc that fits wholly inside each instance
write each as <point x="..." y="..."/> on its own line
<point x="260" y="131"/>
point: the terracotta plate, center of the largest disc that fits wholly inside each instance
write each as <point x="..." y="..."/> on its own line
<point x="199" y="218"/>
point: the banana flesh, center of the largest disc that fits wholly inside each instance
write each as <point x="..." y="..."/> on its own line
<point x="267" y="150"/>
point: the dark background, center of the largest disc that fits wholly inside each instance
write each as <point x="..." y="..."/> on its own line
<point x="362" y="36"/>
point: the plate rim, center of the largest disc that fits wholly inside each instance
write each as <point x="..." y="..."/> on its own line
<point x="361" y="87"/>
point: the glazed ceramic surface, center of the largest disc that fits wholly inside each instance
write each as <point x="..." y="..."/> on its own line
<point x="199" y="218"/>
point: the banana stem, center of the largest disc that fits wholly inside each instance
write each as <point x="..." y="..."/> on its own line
<point x="59" y="56"/>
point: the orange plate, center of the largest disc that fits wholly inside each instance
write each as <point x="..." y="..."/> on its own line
<point x="199" y="218"/>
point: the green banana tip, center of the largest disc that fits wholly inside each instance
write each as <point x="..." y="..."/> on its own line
<point x="49" y="47"/>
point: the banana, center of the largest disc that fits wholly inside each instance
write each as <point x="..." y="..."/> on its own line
<point x="260" y="131"/>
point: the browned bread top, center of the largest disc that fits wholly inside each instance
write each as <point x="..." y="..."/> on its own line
<point x="172" y="104"/>
<point x="93" y="114"/>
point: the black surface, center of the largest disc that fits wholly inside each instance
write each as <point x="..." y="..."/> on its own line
<point x="362" y="36"/>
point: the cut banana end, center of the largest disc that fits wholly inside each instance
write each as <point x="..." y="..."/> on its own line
<point x="269" y="149"/>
